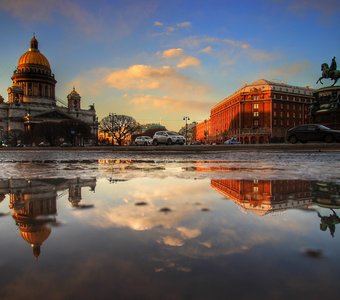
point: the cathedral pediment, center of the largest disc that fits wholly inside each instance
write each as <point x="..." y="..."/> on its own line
<point x="52" y="115"/>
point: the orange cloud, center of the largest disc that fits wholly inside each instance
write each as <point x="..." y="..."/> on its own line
<point x="145" y="92"/>
<point x="140" y="77"/>
<point x="174" y="52"/>
<point x="189" y="61"/>
<point x="145" y="77"/>
<point x="206" y="50"/>
<point x="150" y="102"/>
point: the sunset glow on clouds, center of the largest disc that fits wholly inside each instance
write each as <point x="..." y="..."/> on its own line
<point x="175" y="52"/>
<point x="188" y="61"/>
<point x="138" y="57"/>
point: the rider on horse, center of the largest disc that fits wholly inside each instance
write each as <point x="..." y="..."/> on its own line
<point x="330" y="72"/>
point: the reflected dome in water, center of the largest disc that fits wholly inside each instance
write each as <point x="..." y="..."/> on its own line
<point x="35" y="236"/>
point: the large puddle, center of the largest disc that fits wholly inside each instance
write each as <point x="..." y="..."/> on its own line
<point x="104" y="227"/>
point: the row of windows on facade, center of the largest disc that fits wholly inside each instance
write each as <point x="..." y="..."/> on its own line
<point x="288" y="123"/>
<point x="261" y="97"/>
<point x="282" y="106"/>
<point x="287" y="115"/>
<point x="31" y="70"/>
<point x="275" y="114"/>
<point x="275" y="123"/>
<point x="282" y="97"/>
<point x="298" y="91"/>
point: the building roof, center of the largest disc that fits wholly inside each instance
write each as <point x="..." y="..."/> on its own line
<point x="264" y="84"/>
<point x="73" y="94"/>
<point x="33" y="57"/>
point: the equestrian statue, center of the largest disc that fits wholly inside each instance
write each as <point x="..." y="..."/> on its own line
<point x="330" y="72"/>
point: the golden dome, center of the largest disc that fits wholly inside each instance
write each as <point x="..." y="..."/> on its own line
<point x="33" y="56"/>
<point x="35" y="236"/>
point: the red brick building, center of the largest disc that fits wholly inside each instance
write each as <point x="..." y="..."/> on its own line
<point x="260" y="112"/>
<point x="266" y="196"/>
<point x="201" y="132"/>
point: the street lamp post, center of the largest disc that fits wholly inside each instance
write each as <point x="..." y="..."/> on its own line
<point x="186" y="119"/>
<point x="112" y="115"/>
<point x="1" y="130"/>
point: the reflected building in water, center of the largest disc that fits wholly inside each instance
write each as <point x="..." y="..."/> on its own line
<point x="265" y="196"/>
<point x="34" y="204"/>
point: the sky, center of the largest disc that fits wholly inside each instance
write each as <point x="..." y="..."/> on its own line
<point x="160" y="61"/>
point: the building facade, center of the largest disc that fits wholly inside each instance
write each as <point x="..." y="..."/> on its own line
<point x="32" y="114"/>
<point x="260" y="112"/>
<point x="201" y="131"/>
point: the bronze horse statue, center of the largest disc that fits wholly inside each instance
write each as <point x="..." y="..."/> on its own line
<point x="329" y="72"/>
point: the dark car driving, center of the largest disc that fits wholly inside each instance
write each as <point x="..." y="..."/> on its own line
<point x="312" y="133"/>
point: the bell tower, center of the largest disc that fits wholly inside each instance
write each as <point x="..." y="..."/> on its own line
<point x="73" y="100"/>
<point x="15" y="94"/>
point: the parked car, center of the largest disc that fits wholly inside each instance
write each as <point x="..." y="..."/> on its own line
<point x="66" y="144"/>
<point x="44" y="144"/>
<point x="312" y="133"/>
<point x="143" y="140"/>
<point x="232" y="141"/>
<point x="168" y="137"/>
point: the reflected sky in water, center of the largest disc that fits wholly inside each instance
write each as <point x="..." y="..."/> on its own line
<point x="139" y="229"/>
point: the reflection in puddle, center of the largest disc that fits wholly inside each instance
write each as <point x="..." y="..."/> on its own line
<point x="269" y="196"/>
<point x="173" y="233"/>
<point x="34" y="204"/>
<point x="265" y="196"/>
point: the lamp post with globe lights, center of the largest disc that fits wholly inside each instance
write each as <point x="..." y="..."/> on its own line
<point x="186" y="119"/>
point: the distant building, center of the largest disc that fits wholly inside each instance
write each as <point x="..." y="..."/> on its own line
<point x="201" y="131"/>
<point x="260" y="112"/>
<point x="32" y="115"/>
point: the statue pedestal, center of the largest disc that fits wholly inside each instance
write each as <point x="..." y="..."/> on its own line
<point x="325" y="109"/>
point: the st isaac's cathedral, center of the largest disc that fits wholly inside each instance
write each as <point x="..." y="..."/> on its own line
<point x="33" y="114"/>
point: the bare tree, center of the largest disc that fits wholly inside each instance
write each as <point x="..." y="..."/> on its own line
<point x="120" y="127"/>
